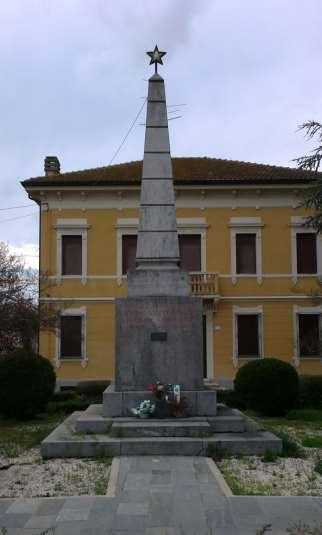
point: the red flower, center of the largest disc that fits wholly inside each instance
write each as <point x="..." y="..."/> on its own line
<point x="152" y="387"/>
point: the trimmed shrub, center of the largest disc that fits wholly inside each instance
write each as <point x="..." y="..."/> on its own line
<point x="92" y="389"/>
<point x="230" y="398"/>
<point x="63" y="395"/>
<point x="68" y="406"/>
<point x="311" y="391"/>
<point x="269" y="386"/>
<point x="27" y="383"/>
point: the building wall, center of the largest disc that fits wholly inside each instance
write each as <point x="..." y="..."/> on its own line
<point x="277" y="292"/>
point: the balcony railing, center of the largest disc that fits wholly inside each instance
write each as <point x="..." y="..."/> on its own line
<point x="204" y="284"/>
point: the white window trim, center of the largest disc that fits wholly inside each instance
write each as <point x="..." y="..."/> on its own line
<point x="246" y="225"/>
<point x="186" y="225"/>
<point x="297" y="227"/>
<point x="297" y="310"/>
<point x="238" y="311"/>
<point x="84" y="358"/>
<point x="78" y="227"/>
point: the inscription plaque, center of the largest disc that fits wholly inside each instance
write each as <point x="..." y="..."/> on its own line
<point x="158" y="337"/>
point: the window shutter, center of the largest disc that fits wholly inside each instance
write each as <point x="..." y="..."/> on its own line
<point x="128" y="253"/>
<point x="71" y="337"/>
<point x="72" y="255"/>
<point x="246" y="253"/>
<point x="309" y="335"/>
<point x="248" y="335"/>
<point x="190" y="252"/>
<point x="306" y="252"/>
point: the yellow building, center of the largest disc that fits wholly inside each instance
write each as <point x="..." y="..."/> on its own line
<point x="256" y="267"/>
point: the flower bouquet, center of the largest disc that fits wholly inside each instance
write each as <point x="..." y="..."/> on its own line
<point x="144" y="410"/>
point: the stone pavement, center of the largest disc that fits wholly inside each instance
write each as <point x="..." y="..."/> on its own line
<point x="160" y="496"/>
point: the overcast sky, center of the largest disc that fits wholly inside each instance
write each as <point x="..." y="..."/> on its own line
<point x="73" y="74"/>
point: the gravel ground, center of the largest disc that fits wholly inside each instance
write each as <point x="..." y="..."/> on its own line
<point x="282" y="477"/>
<point x="28" y="476"/>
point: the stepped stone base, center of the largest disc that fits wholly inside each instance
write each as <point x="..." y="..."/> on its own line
<point x="91" y="434"/>
<point x="200" y="402"/>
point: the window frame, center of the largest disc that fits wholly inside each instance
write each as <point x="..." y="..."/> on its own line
<point x="83" y="359"/>
<point x="297" y="227"/>
<point x="246" y="225"/>
<point x="247" y="311"/>
<point x="129" y="226"/>
<point x="298" y="311"/>
<point x="71" y="227"/>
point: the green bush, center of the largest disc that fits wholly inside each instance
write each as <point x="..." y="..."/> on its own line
<point x="269" y="456"/>
<point x="63" y="395"/>
<point x="67" y="406"/>
<point x="268" y="386"/>
<point x="91" y="389"/>
<point x="311" y="391"/>
<point x="27" y="383"/>
<point x="230" y="398"/>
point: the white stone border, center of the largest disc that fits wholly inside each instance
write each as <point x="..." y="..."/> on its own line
<point x="225" y="489"/>
<point x="238" y="311"/>
<point x="84" y="358"/>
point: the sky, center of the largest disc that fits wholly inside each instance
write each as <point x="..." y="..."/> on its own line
<point x="73" y="75"/>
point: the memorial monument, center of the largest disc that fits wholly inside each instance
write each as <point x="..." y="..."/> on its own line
<point x="158" y="338"/>
<point x="159" y="324"/>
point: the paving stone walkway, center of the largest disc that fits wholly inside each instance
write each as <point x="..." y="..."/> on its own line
<point x="160" y="496"/>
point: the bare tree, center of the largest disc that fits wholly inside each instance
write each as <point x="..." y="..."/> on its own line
<point x="21" y="316"/>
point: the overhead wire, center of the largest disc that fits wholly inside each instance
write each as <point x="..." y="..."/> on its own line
<point x="128" y="132"/>
<point x="18" y="217"/>
<point x="16" y="207"/>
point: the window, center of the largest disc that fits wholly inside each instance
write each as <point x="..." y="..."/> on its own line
<point x="189" y="247"/>
<point x="128" y="252"/>
<point x="71" y="254"/>
<point x="71" y="337"/>
<point x="246" y="247"/>
<point x="247" y="333"/>
<point x="190" y="251"/>
<point x="306" y="252"/>
<point x="309" y="335"/>
<point x="245" y="253"/>
<point x="248" y="336"/>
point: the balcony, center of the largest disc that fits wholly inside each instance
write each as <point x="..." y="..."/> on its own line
<point x="204" y="284"/>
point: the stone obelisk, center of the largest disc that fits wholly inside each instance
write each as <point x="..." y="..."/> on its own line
<point x="159" y="324"/>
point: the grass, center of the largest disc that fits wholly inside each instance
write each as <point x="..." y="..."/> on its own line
<point x="17" y="436"/>
<point x="312" y="442"/>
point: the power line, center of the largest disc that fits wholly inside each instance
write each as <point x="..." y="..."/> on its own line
<point x="128" y="132"/>
<point x="19" y="217"/>
<point x="15" y="207"/>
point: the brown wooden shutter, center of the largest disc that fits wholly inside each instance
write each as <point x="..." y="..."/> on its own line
<point x="306" y="252"/>
<point x="71" y="337"/>
<point x="309" y="336"/>
<point x="246" y="253"/>
<point x="248" y="335"/>
<point x="190" y="252"/>
<point x="72" y="255"/>
<point x="128" y="253"/>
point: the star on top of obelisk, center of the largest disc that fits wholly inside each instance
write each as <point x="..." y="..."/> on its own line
<point x="156" y="57"/>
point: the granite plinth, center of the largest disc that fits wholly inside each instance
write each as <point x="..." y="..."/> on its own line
<point x="120" y="403"/>
<point x="158" y="338"/>
<point x="158" y="282"/>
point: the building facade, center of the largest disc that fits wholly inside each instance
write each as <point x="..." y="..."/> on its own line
<point x="242" y="237"/>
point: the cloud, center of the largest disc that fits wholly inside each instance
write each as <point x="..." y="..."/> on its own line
<point x="74" y="73"/>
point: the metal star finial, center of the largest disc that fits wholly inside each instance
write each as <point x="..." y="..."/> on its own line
<point x="156" y="57"/>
